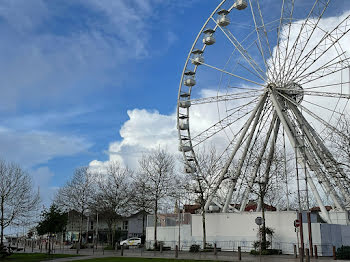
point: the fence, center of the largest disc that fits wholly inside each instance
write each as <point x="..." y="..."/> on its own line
<point x="246" y="246"/>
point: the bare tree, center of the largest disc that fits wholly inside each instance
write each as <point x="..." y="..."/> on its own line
<point x="18" y="200"/>
<point x="340" y="142"/>
<point x="114" y="194"/>
<point x="77" y="194"/>
<point x="158" y="178"/>
<point x="142" y="200"/>
<point x="202" y="182"/>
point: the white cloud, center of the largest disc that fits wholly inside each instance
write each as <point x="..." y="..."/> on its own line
<point x="144" y="131"/>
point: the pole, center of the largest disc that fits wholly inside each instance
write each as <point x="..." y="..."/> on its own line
<point x="179" y="217"/>
<point x="310" y="233"/>
<point x="301" y="233"/>
<point x="260" y="244"/>
<point x="96" y="229"/>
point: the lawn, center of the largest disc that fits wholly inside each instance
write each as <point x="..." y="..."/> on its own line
<point x="133" y="259"/>
<point x="35" y="257"/>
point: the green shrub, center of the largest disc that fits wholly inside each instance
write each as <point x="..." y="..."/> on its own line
<point x="194" y="248"/>
<point x="266" y="252"/>
<point x="343" y="252"/>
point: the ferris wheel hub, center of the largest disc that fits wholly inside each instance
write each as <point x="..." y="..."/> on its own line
<point x="295" y="91"/>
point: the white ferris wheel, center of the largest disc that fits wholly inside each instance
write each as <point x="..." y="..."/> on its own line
<point x="281" y="80"/>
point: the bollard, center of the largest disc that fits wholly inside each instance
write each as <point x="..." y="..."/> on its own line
<point x="315" y="249"/>
<point x="301" y="257"/>
<point x="295" y="251"/>
<point x="161" y="247"/>
<point x="103" y="249"/>
<point x="122" y="250"/>
<point x="239" y="254"/>
<point x="334" y="253"/>
<point x="307" y="255"/>
<point x="215" y="250"/>
<point x="176" y="251"/>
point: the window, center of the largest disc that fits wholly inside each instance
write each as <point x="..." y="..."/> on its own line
<point x="91" y="225"/>
<point x="125" y="225"/>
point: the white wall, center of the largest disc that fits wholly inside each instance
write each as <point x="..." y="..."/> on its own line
<point x="230" y="230"/>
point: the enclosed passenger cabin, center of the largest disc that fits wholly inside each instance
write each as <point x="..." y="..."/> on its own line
<point x="197" y="57"/>
<point x="240" y="4"/>
<point x="223" y="19"/>
<point x="189" y="78"/>
<point x="209" y="38"/>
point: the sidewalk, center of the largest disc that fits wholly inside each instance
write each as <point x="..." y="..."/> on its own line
<point x="222" y="256"/>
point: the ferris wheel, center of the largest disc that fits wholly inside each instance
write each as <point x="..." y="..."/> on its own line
<point x="259" y="79"/>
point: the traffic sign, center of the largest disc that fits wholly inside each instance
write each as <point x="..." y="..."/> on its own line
<point x="297" y="223"/>
<point x="259" y="221"/>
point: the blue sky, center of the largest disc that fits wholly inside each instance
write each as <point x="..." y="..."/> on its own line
<point x="82" y="79"/>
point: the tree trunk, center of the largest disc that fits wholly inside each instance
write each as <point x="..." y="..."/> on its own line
<point x="263" y="230"/>
<point x="81" y="228"/>
<point x="49" y="244"/>
<point x="204" y="230"/>
<point x="155" y="222"/>
<point x="2" y="221"/>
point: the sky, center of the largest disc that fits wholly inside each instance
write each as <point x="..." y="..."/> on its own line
<point x="88" y="81"/>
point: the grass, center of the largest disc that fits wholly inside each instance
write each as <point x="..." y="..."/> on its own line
<point x="132" y="259"/>
<point x="33" y="257"/>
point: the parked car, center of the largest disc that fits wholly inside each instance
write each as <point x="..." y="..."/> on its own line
<point x="134" y="241"/>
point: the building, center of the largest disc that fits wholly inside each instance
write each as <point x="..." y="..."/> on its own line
<point x="97" y="227"/>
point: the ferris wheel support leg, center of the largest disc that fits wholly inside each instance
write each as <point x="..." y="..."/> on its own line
<point x="293" y="142"/>
<point x="270" y="159"/>
<point x="257" y="165"/>
<point x="317" y="144"/>
<point x="238" y="144"/>
<point x="241" y="162"/>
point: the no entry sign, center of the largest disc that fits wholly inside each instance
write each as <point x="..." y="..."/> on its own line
<point x="297" y="223"/>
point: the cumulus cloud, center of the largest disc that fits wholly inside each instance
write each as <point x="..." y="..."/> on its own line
<point x="144" y="131"/>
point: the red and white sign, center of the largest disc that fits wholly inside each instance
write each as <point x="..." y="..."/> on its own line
<point x="297" y="223"/>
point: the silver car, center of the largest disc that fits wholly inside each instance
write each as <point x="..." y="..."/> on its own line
<point x="134" y="241"/>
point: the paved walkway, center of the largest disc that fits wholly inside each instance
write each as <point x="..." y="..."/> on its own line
<point x="222" y="256"/>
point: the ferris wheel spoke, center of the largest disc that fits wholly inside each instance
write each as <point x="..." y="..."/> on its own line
<point x="328" y="67"/>
<point x="317" y="77"/>
<point x="318" y="93"/>
<point x="285" y="44"/>
<point x="243" y="52"/>
<point x="234" y="75"/>
<point x="286" y="15"/>
<point x="322" y="47"/>
<point x="327" y="85"/>
<point x="313" y="115"/>
<point x="261" y="32"/>
<point x="323" y="107"/>
<point x="219" y="126"/>
<point x="306" y="31"/>
<point x="223" y="98"/>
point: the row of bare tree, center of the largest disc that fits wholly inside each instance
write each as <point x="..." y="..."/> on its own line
<point x="114" y="190"/>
